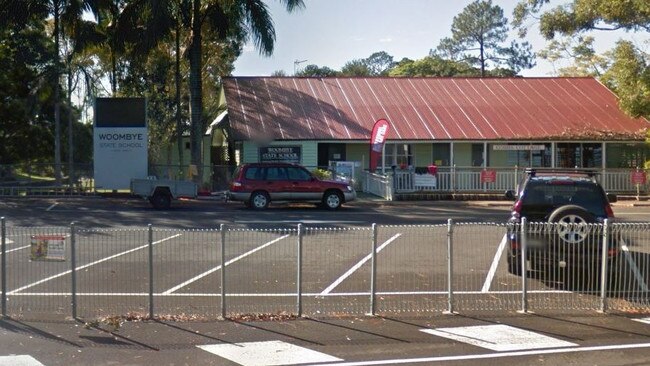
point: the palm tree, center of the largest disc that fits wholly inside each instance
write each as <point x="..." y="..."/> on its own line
<point x="228" y="20"/>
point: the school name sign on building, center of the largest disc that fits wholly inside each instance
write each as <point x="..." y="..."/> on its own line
<point x="286" y="154"/>
<point x="120" y="142"/>
<point x="518" y="147"/>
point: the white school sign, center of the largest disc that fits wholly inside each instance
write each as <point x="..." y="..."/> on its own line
<point x="120" y="142"/>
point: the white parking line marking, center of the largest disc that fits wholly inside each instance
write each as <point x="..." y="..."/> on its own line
<point x="643" y="320"/>
<point x="193" y="279"/>
<point x="635" y="269"/>
<point x="89" y="265"/>
<point x="267" y="353"/>
<point x="491" y="355"/>
<point x="15" y="249"/>
<point x="20" y="360"/>
<point x="358" y="265"/>
<point x="495" y="264"/>
<point x="51" y="207"/>
<point x="499" y="337"/>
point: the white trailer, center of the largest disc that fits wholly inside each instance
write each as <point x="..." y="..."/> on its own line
<point x="160" y="192"/>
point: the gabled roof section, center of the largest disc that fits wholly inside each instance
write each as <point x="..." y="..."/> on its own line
<point x="292" y="108"/>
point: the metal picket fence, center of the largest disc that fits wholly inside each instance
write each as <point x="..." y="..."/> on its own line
<point x="229" y="271"/>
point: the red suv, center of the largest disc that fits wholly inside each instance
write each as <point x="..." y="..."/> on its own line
<point x="260" y="183"/>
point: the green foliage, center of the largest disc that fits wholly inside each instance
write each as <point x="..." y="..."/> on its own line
<point x="317" y="71"/>
<point x="378" y="64"/>
<point x="356" y="68"/>
<point x="479" y="34"/>
<point x="322" y="174"/>
<point x="26" y="91"/>
<point x="625" y="69"/>
<point x="433" y="66"/>
<point x="583" y="15"/>
<point x="629" y="77"/>
<point x="585" y="60"/>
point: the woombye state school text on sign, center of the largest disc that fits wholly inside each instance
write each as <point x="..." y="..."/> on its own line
<point x="287" y="154"/>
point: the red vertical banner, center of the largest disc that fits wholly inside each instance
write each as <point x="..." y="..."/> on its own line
<point x="377" y="140"/>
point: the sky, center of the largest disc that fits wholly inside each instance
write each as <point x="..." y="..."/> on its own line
<point x="332" y="32"/>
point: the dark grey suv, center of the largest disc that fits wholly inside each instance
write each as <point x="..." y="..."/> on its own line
<point x="564" y="210"/>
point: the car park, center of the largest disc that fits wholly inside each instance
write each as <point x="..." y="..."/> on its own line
<point x="564" y="232"/>
<point x="259" y="184"/>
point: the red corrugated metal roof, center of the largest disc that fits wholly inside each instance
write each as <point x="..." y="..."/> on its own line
<point x="287" y="108"/>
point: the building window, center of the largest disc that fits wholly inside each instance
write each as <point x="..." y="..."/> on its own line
<point x="518" y="158"/>
<point x="441" y="154"/>
<point x="633" y="155"/>
<point x="542" y="158"/>
<point x="534" y="154"/>
<point x="592" y="155"/>
<point x="573" y="155"/>
<point x="568" y="156"/>
<point x="399" y="155"/>
<point x="477" y="154"/>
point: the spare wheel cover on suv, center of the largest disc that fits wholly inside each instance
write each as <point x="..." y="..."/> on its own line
<point x="570" y="218"/>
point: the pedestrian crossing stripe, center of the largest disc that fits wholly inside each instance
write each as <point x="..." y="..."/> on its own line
<point x="20" y="360"/>
<point x="267" y="353"/>
<point x="499" y="337"/>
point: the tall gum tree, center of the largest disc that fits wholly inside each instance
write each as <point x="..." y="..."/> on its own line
<point x="479" y="35"/>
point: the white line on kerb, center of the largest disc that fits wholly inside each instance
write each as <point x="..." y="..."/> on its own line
<point x="495" y="264"/>
<point x="633" y="266"/>
<point x="193" y="279"/>
<point x="357" y="266"/>
<point x="489" y="355"/>
<point x="89" y="264"/>
<point x="51" y="207"/>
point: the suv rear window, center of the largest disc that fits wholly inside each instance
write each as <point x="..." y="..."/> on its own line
<point x="587" y="195"/>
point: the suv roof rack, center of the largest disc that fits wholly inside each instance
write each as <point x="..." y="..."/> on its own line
<point x="588" y="172"/>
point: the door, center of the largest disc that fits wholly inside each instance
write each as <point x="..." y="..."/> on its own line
<point x="277" y="184"/>
<point x="330" y="152"/>
<point x="304" y="187"/>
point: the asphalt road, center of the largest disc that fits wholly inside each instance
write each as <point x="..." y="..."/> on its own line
<point x="424" y="338"/>
<point x="122" y="212"/>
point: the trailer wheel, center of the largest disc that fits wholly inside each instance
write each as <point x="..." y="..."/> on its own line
<point x="161" y="200"/>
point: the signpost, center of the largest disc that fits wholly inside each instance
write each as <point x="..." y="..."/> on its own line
<point x="638" y="177"/>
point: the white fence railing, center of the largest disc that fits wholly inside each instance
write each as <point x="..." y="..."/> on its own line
<point x="379" y="185"/>
<point x="468" y="179"/>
